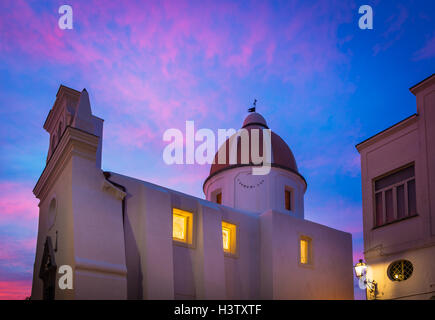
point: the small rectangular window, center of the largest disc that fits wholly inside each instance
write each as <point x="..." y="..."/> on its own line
<point x="305" y="250"/>
<point x="229" y="237"/>
<point x="288" y="200"/>
<point x="182" y="225"/>
<point x="219" y="198"/>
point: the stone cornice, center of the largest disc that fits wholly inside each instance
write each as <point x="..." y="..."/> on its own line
<point x="110" y="188"/>
<point x="387" y="132"/>
<point x="54" y="113"/>
<point x="73" y="142"/>
<point x="100" y="266"/>
<point x="381" y="251"/>
<point x="423" y="84"/>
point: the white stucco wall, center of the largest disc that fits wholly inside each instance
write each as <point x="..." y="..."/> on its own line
<point x="421" y="284"/>
<point x="88" y="221"/>
<point x="60" y="191"/>
<point x="284" y="277"/>
<point x="257" y="193"/>
<point x="203" y="271"/>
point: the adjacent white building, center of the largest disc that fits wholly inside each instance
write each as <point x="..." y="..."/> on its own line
<point x="398" y="189"/>
<point x="130" y="239"/>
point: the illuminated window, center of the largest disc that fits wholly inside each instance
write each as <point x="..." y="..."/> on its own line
<point x="400" y="270"/>
<point x="288" y="199"/>
<point x="182" y="223"/>
<point x="305" y="250"/>
<point x="229" y="237"/>
<point x="219" y="198"/>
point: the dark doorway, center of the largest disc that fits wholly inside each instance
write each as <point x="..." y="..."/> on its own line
<point x="47" y="271"/>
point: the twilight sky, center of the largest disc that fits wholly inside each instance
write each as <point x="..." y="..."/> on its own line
<point x="322" y="83"/>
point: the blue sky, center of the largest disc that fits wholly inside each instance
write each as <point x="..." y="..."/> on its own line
<point x="322" y="84"/>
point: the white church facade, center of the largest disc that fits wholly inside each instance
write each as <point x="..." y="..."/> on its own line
<point x="130" y="239"/>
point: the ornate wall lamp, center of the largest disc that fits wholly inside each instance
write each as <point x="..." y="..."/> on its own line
<point x="361" y="274"/>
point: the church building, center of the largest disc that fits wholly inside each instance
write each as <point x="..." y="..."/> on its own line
<point x="130" y="239"/>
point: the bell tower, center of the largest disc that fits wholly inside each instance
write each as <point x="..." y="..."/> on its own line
<point x="80" y="212"/>
<point x="72" y="108"/>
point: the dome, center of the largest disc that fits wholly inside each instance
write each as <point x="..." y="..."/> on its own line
<point x="282" y="156"/>
<point x="255" y="118"/>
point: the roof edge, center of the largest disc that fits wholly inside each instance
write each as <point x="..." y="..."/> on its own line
<point x="255" y="124"/>
<point x="422" y="84"/>
<point x="403" y="122"/>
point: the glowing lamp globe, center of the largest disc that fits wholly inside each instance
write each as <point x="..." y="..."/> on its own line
<point x="360" y="268"/>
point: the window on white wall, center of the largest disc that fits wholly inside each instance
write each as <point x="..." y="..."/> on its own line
<point x="305" y="250"/>
<point x="219" y="198"/>
<point x="182" y="226"/>
<point x="400" y="270"/>
<point x="288" y="203"/>
<point x="395" y="196"/>
<point x="229" y="238"/>
<point x="216" y="196"/>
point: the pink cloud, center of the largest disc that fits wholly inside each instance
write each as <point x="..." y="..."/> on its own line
<point x="15" y="290"/>
<point x="17" y="202"/>
<point x="14" y="249"/>
<point x="16" y="257"/>
<point x="162" y="49"/>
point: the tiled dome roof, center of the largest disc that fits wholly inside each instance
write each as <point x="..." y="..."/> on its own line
<point x="282" y="156"/>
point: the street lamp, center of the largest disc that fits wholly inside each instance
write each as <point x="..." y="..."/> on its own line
<point x="360" y="269"/>
<point x="361" y="273"/>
